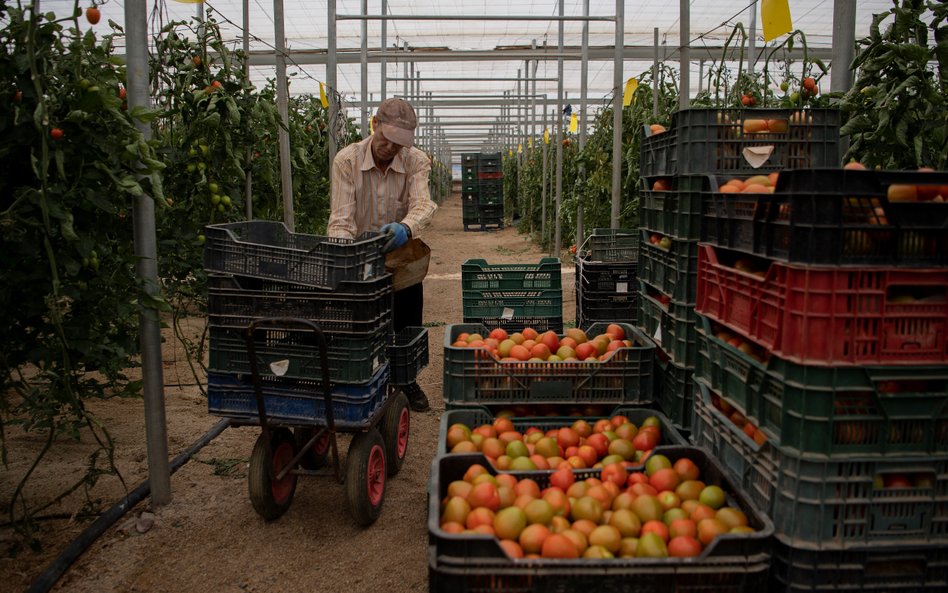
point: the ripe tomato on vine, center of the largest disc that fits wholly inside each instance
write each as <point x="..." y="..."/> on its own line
<point x="93" y="15"/>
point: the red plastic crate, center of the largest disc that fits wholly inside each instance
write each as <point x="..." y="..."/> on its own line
<point x="828" y="314"/>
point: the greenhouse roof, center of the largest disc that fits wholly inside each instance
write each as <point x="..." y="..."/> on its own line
<point x="431" y="35"/>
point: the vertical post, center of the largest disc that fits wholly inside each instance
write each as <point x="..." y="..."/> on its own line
<point x="364" y="58"/>
<point x="286" y="175"/>
<point x="146" y="250"/>
<point x="520" y="139"/>
<point x="383" y="63"/>
<point x="583" y="81"/>
<point x="331" y="78"/>
<point x="559" y="138"/>
<point x="684" y="92"/>
<point x="655" y="75"/>
<point x="248" y="151"/>
<point x="844" y="43"/>
<point x="752" y="39"/>
<point x="544" y="177"/>
<point x="617" y="114"/>
<point x="533" y="129"/>
<point x="405" y="74"/>
<point x="700" y="75"/>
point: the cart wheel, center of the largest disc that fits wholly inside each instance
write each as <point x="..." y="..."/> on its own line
<point x="394" y="428"/>
<point x="365" y="476"/>
<point x="316" y="457"/>
<point x="272" y="498"/>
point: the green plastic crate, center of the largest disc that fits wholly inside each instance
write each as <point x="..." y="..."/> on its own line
<point x="673" y="271"/>
<point x="472" y="376"/>
<point x="474" y="416"/>
<point x="671" y="326"/>
<point x="495" y="294"/>
<point x="830" y="503"/>
<point x="674" y="390"/>
<point x="818" y="410"/>
<point x="477" y="274"/>
<point x="676" y="212"/>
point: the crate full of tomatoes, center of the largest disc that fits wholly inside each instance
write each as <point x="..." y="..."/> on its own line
<point x="674" y="522"/>
<point x="608" y="363"/>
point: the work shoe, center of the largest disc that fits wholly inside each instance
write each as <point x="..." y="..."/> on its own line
<point x="417" y="400"/>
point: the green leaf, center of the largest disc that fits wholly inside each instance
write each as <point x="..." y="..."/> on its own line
<point x="155" y="302"/>
<point x="143" y="114"/>
<point x="60" y="159"/>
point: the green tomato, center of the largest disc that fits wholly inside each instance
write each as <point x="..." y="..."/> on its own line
<point x="220" y="208"/>
<point x="212" y="187"/>
<point x="93" y="89"/>
<point x="95" y="264"/>
<point x="201" y="239"/>
<point x="225" y="200"/>
<point x="795" y="97"/>
<point x="191" y="167"/>
<point x="784" y="86"/>
<point x="84" y="83"/>
<point x="205" y="149"/>
<point x="192" y="152"/>
<point x="215" y="199"/>
<point x="201" y="166"/>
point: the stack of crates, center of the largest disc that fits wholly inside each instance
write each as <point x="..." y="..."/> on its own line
<point x="259" y="269"/>
<point x="822" y="374"/>
<point x="513" y="296"/>
<point x="482" y="190"/>
<point x="606" y="277"/>
<point x="675" y="169"/>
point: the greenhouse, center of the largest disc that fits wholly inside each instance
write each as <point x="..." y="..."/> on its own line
<point x="529" y="298"/>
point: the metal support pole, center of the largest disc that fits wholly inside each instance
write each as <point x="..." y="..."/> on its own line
<point x="331" y="79"/>
<point x="146" y="250"/>
<point x="655" y="76"/>
<point x="700" y="75"/>
<point x="407" y="79"/>
<point x="684" y="91"/>
<point x="383" y="64"/>
<point x="584" y="79"/>
<point x="283" y="134"/>
<point x="364" y="107"/>
<point x="617" y="115"/>
<point x="752" y="39"/>
<point x="248" y="151"/>
<point x="844" y="43"/>
<point x="543" y="184"/>
<point x="559" y="141"/>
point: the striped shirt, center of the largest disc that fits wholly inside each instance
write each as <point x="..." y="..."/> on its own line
<point x="363" y="198"/>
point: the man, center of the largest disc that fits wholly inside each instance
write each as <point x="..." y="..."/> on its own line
<point x="381" y="184"/>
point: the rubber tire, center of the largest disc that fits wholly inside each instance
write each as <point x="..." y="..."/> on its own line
<point x="365" y="476"/>
<point x="395" y="424"/>
<point x="272" y="499"/>
<point x="318" y="456"/>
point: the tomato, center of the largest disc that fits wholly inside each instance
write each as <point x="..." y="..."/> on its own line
<point x="18" y="96"/>
<point x="56" y="134"/>
<point x="122" y="93"/>
<point x="93" y="15"/>
<point x="809" y="84"/>
<point x="684" y="546"/>
<point x="217" y="84"/>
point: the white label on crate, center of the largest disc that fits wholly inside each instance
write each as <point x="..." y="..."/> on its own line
<point x="375" y="364"/>
<point x="658" y="334"/>
<point x="507" y="314"/>
<point x="367" y="271"/>
<point x="756" y="156"/>
<point x="622" y="287"/>
<point x="280" y="367"/>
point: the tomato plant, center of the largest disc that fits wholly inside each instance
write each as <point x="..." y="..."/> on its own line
<point x="897" y="106"/>
<point x="70" y="301"/>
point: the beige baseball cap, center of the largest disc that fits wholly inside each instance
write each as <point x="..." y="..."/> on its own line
<point x="398" y="121"/>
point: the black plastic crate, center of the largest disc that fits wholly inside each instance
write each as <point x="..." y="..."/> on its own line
<point x="470" y="199"/>
<point x="874" y="569"/>
<point x="614" y="277"/>
<point x="712" y="140"/>
<point x="673" y="271"/>
<point x="605" y="291"/>
<point x="351" y="308"/>
<point x="613" y="245"/>
<point x="474" y="563"/>
<point x="676" y="211"/>
<point x="472" y="376"/>
<point x="470" y="186"/>
<point x="674" y="386"/>
<point x="469" y="158"/>
<point x="297" y="401"/>
<point x="489" y="199"/>
<point x="353" y="358"/>
<point x="469" y="174"/>
<point x="839" y="216"/>
<point x="670" y="324"/>
<point x="594" y="307"/>
<point x="408" y="354"/>
<point x="267" y="249"/>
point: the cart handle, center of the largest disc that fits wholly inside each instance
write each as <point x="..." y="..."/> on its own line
<point x="283" y="323"/>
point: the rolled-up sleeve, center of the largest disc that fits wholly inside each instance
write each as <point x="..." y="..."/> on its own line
<point x="421" y="208"/>
<point x="342" y="201"/>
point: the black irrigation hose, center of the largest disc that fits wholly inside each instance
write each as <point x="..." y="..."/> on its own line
<point x="76" y="547"/>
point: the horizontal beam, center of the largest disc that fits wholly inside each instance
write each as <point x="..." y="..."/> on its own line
<point x="469" y="78"/>
<point x="486" y="122"/>
<point x="478" y="103"/>
<point x="631" y="53"/>
<point x="467" y="17"/>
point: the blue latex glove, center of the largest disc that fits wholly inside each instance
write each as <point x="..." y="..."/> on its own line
<point x="397" y="236"/>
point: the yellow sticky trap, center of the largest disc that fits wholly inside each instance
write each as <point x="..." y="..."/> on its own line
<point x="573" y="124"/>
<point x="371" y="127"/>
<point x="322" y="96"/>
<point x="510" y="152"/>
<point x="546" y="136"/>
<point x="530" y="142"/>
<point x="775" y="16"/>
<point x="520" y="148"/>
<point x="629" y="94"/>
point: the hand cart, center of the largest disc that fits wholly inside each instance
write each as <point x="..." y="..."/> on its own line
<point x="280" y="455"/>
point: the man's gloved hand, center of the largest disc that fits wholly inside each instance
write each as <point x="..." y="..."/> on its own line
<point x="397" y="236"/>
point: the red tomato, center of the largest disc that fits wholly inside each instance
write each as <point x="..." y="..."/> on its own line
<point x="56" y="134"/>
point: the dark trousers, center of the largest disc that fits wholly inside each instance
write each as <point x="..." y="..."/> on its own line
<point x="408" y="307"/>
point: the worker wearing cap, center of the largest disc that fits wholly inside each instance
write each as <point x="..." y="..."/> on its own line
<point x="381" y="184"/>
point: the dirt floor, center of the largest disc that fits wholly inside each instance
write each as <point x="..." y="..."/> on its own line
<point x="209" y="538"/>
